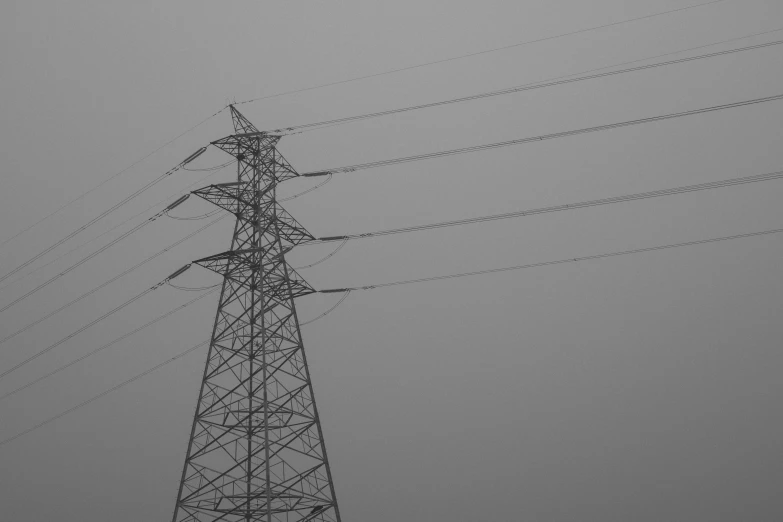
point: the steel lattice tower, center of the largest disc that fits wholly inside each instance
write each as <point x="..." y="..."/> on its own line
<point x="256" y="450"/>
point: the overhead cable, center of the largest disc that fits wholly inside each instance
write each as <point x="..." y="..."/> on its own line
<point x="103" y="394"/>
<point x="107" y="345"/>
<point x="347" y="292"/>
<point x="550" y="263"/>
<point x="105" y="213"/>
<point x="74" y="266"/>
<point x="332" y="254"/>
<point x="330" y="310"/>
<point x="479" y="53"/>
<point x="568" y="206"/>
<point x="163" y="201"/>
<point x="211" y="169"/>
<point x="90" y="256"/>
<point x="138" y="376"/>
<point x="521" y="88"/>
<point x="321" y="184"/>
<point x="94" y="322"/>
<point x="195" y="218"/>
<point x="113" y="279"/>
<point x="126" y="169"/>
<point x="522" y="141"/>
<point x="195" y="289"/>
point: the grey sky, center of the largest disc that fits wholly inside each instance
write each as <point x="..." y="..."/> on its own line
<point x="640" y="388"/>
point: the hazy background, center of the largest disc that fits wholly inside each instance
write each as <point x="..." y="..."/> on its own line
<point x="642" y="388"/>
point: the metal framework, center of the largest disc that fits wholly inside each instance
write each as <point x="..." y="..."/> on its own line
<point x="256" y="450"/>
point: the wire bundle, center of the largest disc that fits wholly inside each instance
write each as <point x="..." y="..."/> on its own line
<point x="209" y="290"/>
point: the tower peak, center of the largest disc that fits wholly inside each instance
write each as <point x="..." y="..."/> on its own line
<point x="241" y="124"/>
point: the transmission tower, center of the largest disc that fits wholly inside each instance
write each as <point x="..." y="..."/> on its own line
<point x="256" y="450"/>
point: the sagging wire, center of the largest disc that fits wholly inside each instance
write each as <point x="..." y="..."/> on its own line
<point x="214" y="171"/>
<point x="328" y="179"/>
<point x="334" y="252"/>
<point x="333" y="308"/>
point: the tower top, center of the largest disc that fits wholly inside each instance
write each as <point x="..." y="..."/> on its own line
<point x="241" y="124"/>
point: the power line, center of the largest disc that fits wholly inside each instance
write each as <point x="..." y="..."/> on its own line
<point x="84" y="227"/>
<point x="103" y="394"/>
<point x="212" y="168"/>
<point x="106" y="283"/>
<point x="105" y="213"/>
<point x="109" y="344"/>
<point x="570" y="206"/>
<point x="99" y="185"/>
<point x="348" y="290"/>
<point x="321" y="316"/>
<point x="478" y="53"/>
<point x="194" y="218"/>
<point x="75" y="266"/>
<point x="82" y="261"/>
<point x="606" y="201"/>
<point x="93" y="323"/>
<point x="558" y="262"/>
<point x="327" y="257"/>
<point x="522" y="88"/>
<point x="480" y="219"/>
<point x="321" y="184"/>
<point x="177" y="196"/>
<point x="488" y="146"/>
<point x="194" y="289"/>
<point x="99" y="251"/>
<point x="558" y="208"/>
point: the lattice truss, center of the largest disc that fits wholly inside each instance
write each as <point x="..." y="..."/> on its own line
<point x="256" y="451"/>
